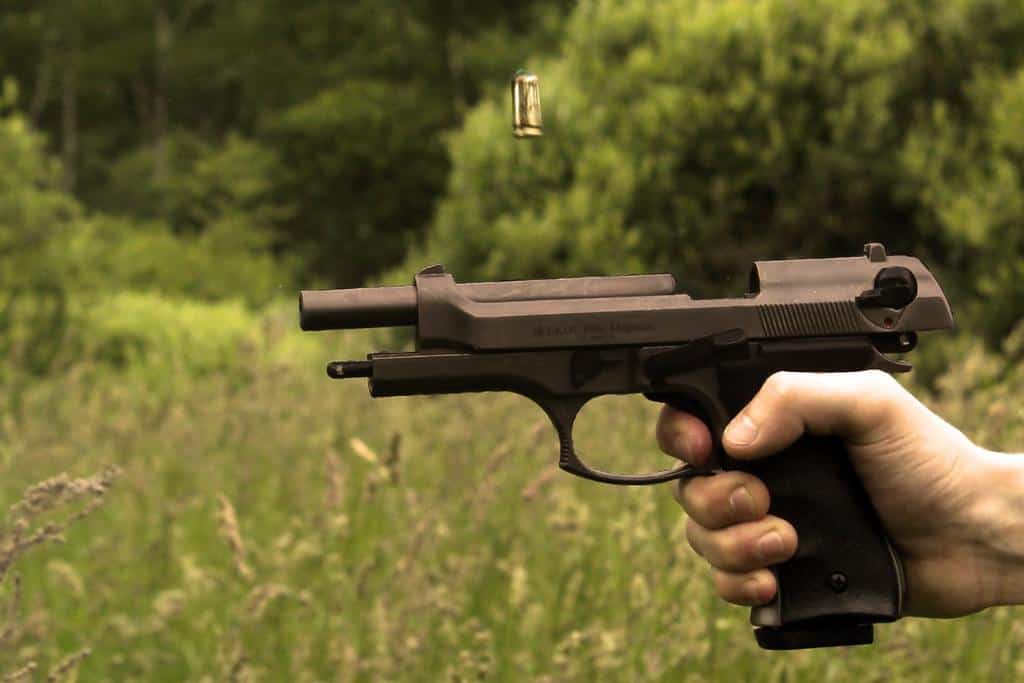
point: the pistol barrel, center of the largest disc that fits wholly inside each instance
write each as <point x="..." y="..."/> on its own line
<point x="342" y="309"/>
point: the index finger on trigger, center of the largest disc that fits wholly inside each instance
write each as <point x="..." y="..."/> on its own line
<point x="683" y="436"/>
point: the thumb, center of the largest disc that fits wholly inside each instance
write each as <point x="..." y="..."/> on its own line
<point x="860" y="407"/>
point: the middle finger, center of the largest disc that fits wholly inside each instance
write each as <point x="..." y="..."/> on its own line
<point x="744" y="547"/>
<point x="726" y="498"/>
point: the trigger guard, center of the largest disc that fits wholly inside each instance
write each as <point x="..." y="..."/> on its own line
<point x="575" y="466"/>
<point x="563" y="412"/>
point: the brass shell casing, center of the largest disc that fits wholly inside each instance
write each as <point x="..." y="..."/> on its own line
<point x="526" y="118"/>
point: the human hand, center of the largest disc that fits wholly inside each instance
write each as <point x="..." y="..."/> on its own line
<point x="950" y="508"/>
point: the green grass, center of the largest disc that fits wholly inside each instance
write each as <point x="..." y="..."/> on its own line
<point x="391" y="540"/>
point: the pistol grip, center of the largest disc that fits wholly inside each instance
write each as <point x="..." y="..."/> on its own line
<point x="845" y="575"/>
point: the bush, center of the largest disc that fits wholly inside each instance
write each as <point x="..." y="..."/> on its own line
<point x="229" y="260"/>
<point x="167" y="343"/>
<point x="973" y="188"/>
<point x="56" y="257"/>
<point x="143" y="329"/>
<point x="35" y="213"/>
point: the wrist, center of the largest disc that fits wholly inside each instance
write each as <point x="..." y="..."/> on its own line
<point x="996" y="524"/>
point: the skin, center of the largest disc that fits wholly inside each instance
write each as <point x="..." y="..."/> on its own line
<point x="953" y="510"/>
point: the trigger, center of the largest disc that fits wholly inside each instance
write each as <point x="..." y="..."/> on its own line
<point x="694" y="407"/>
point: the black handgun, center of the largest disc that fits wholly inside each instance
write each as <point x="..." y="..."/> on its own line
<point x="563" y="342"/>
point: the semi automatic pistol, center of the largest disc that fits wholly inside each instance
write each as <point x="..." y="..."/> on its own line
<point x="563" y="342"/>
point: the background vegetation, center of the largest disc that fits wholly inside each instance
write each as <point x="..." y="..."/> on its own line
<point x="172" y="171"/>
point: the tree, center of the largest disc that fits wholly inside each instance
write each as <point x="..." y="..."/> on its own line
<point x="349" y="99"/>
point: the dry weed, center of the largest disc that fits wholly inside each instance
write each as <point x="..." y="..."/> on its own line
<point x="20" y="673"/>
<point x="67" y="665"/>
<point x="28" y="525"/>
<point x="18" y="534"/>
<point x="231" y="533"/>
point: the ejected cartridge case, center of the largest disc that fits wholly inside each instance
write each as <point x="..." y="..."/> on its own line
<point x="526" y="119"/>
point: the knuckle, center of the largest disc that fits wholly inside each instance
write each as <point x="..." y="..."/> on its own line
<point x="724" y="585"/>
<point x="725" y="550"/>
<point x="664" y="431"/>
<point x="881" y="380"/>
<point x="695" y="502"/>
<point x="697" y="487"/>
<point x="877" y="394"/>
<point x="739" y="588"/>
<point x="737" y="548"/>
<point x="878" y="384"/>
<point x="780" y="386"/>
<point x="670" y="427"/>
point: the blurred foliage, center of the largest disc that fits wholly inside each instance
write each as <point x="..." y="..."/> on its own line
<point x="329" y="113"/>
<point x="978" y="387"/>
<point x="209" y="184"/>
<point x="693" y="136"/>
<point x="972" y="183"/>
<point x="148" y="147"/>
<point x="36" y="218"/>
<point x="171" y="339"/>
<point x="67" y="272"/>
<point x="35" y="214"/>
<point x="48" y="238"/>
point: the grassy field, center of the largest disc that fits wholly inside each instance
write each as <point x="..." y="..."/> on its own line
<point x="267" y="524"/>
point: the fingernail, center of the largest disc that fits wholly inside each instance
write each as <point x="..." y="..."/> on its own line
<point x="770" y="546"/>
<point x="742" y="504"/>
<point x="741" y="431"/>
